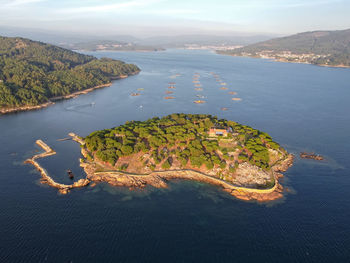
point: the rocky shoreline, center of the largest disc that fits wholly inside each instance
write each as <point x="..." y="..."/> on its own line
<point x="159" y="179"/>
<point x="26" y="108"/>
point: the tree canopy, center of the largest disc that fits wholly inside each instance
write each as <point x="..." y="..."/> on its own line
<point x="33" y="72"/>
<point x="183" y="140"/>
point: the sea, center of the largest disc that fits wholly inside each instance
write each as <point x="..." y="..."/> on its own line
<point x="303" y="107"/>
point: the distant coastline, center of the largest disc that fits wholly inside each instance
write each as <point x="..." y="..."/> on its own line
<point x="320" y="48"/>
<point x="278" y="59"/>
<point x="118" y="50"/>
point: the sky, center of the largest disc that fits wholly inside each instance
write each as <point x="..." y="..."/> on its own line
<point x="169" y="17"/>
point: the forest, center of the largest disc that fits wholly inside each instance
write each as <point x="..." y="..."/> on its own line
<point x="32" y="72"/>
<point x="184" y="139"/>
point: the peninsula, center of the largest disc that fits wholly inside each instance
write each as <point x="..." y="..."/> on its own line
<point x="244" y="161"/>
<point x="33" y="75"/>
<point x="322" y="48"/>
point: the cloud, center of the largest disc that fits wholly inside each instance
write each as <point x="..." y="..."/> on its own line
<point x="16" y="3"/>
<point x="276" y="4"/>
<point x="170" y="12"/>
<point x="108" y="7"/>
<point x="312" y="3"/>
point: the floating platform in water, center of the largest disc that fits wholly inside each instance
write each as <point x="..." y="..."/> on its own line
<point x="199" y="101"/>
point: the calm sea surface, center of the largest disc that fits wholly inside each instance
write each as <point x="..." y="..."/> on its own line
<point x="304" y="107"/>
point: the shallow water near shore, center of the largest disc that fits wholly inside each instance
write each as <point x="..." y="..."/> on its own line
<point x="303" y="107"/>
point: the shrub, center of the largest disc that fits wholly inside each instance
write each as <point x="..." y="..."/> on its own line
<point x="166" y="164"/>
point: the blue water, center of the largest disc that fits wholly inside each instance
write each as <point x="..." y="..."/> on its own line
<point x="304" y="107"/>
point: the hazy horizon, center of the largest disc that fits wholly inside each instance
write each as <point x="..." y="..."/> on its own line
<point x="147" y="18"/>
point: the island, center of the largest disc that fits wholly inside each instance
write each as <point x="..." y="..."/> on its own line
<point x="34" y="75"/>
<point x="322" y="48"/>
<point x="245" y="162"/>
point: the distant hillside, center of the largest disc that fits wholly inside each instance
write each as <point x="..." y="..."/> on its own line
<point x="181" y="41"/>
<point x="31" y="73"/>
<point x="330" y="48"/>
<point x="100" y="45"/>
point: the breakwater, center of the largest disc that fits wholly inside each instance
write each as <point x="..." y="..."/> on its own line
<point x="45" y="178"/>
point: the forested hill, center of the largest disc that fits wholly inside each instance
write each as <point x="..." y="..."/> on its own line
<point x="319" y="47"/>
<point x="33" y="72"/>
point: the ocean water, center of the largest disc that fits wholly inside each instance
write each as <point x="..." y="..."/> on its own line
<point x="303" y="107"/>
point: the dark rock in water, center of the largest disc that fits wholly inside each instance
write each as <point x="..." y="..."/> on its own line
<point x="70" y="174"/>
<point x="313" y="156"/>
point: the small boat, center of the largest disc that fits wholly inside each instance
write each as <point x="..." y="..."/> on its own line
<point x="169" y="97"/>
<point x="232" y="92"/>
<point x="199" y="101"/>
<point x="135" y="94"/>
<point x="236" y="99"/>
<point x="70" y="174"/>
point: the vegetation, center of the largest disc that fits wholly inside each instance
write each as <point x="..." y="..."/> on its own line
<point x="329" y="47"/>
<point x="32" y="72"/>
<point x="182" y="141"/>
